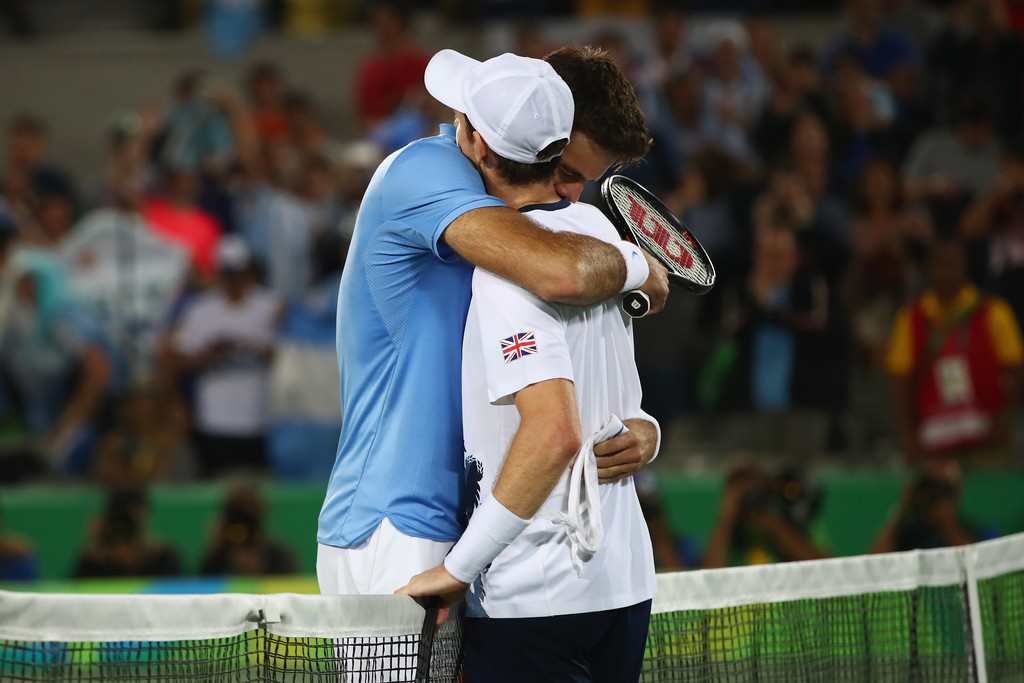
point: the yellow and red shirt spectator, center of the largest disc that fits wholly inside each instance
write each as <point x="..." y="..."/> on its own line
<point x="956" y="356"/>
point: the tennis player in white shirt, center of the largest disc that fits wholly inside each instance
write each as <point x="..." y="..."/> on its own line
<point x="560" y="573"/>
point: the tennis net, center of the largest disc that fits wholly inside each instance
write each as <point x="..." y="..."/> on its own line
<point x="953" y="614"/>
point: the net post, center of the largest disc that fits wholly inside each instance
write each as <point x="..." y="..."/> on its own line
<point x="969" y="557"/>
<point x="431" y="605"/>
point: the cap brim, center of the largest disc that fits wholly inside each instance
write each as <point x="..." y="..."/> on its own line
<point x="443" y="77"/>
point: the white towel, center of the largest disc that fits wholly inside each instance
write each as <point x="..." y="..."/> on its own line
<point x="585" y="542"/>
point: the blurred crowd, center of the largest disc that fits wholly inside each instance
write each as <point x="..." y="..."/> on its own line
<point x="862" y="197"/>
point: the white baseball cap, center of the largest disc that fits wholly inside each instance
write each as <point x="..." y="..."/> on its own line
<point x="519" y="105"/>
<point x="232" y="254"/>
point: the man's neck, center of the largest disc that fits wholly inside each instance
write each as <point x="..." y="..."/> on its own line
<point x="518" y="196"/>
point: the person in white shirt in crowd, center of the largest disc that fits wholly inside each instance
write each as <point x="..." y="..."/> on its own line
<point x="226" y="338"/>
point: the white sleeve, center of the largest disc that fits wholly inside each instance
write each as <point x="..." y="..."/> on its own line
<point x="194" y="334"/>
<point x="522" y="337"/>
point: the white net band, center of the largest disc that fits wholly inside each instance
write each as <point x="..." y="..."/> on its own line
<point x="732" y="587"/>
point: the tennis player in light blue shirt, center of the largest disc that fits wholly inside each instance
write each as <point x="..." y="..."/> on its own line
<point x="401" y="312"/>
<point x="393" y="501"/>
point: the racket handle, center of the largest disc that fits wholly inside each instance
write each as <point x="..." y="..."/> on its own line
<point x="636" y="304"/>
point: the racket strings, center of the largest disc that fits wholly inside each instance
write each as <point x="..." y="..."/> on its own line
<point x="660" y="236"/>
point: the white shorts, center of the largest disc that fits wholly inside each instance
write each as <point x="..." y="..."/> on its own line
<point x="381" y="564"/>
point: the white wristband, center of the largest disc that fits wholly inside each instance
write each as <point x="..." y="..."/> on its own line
<point x="637" y="269"/>
<point x="492" y="527"/>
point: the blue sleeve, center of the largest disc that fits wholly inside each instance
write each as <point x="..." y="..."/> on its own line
<point x="429" y="185"/>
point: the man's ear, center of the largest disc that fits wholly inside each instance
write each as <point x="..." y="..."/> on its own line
<point x="480" y="148"/>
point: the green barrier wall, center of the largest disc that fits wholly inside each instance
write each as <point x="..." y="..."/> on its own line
<point x="57" y="518"/>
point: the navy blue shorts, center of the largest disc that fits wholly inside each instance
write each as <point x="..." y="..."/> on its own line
<point x="594" y="647"/>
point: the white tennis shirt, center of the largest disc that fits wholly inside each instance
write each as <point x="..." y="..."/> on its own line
<point x="514" y="339"/>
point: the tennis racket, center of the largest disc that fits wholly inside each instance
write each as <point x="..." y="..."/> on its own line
<point x="643" y="220"/>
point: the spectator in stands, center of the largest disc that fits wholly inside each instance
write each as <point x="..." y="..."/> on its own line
<point x="956" y="355"/>
<point x="54" y="215"/>
<point x="232" y="24"/>
<point x="763" y="42"/>
<point x="796" y="89"/>
<point x="395" y="69"/>
<point x="176" y="216"/>
<point x="358" y="162"/>
<point x="27" y="140"/>
<point x="929" y="514"/>
<point x="19" y="204"/>
<point x="782" y="315"/>
<point x="697" y="126"/>
<point x="946" y="168"/>
<point x="18" y="559"/>
<point x="887" y="236"/>
<point x="765" y="518"/>
<point x="240" y="543"/>
<point x="996" y="220"/>
<point x="671" y="49"/>
<point x="142" y="446"/>
<point x="879" y="49"/>
<point x="226" y="338"/>
<point x="130" y="275"/>
<point x="798" y="197"/>
<point x="278" y="226"/>
<point x="128" y="167"/>
<point x="317" y="188"/>
<point x="120" y="545"/>
<point x="306" y="134"/>
<point x="265" y="87"/>
<point x="863" y="125"/>
<point x="736" y="89"/>
<point x="305" y="412"/>
<point x="56" y="362"/>
<point x="978" y="50"/>
<point x="811" y="154"/>
<point x="198" y="133"/>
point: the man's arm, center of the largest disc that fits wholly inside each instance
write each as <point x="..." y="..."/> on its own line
<point x="549" y="436"/>
<point x="563" y="267"/>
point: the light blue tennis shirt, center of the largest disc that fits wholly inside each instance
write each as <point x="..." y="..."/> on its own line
<point x="401" y="313"/>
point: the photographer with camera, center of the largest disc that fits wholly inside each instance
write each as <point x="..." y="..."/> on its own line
<point x="766" y="518"/>
<point x="929" y="513"/>
<point x="119" y="544"/>
<point x="239" y="544"/>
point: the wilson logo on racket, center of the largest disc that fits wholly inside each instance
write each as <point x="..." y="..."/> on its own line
<point x="675" y="251"/>
<point x="518" y="345"/>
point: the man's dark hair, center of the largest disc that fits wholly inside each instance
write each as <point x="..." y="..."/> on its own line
<point x="607" y="110"/>
<point x="518" y="174"/>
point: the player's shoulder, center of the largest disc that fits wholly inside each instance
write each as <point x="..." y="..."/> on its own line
<point x="441" y="145"/>
<point x="581" y="218"/>
<point x="429" y="161"/>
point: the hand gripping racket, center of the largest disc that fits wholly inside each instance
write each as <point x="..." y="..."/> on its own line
<point x="643" y="220"/>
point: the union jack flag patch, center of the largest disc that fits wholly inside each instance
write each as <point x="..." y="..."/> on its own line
<point x="518" y="345"/>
